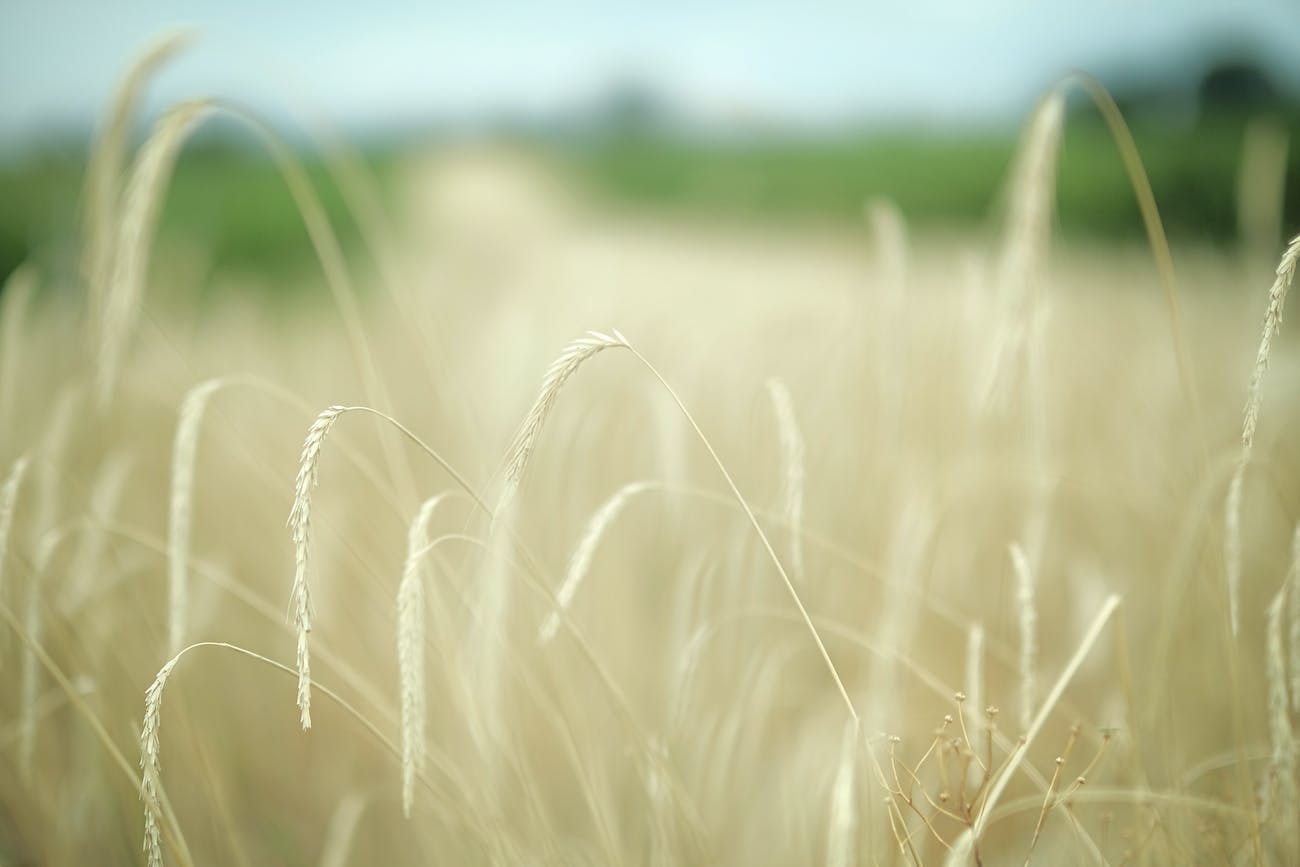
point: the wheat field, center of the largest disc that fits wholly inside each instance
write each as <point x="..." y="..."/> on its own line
<point x="543" y="534"/>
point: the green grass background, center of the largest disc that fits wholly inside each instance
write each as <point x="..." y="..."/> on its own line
<point x="231" y="202"/>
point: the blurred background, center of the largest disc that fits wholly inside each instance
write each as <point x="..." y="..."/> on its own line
<point x="769" y="112"/>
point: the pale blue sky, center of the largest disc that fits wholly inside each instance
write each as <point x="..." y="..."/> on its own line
<point x="387" y="63"/>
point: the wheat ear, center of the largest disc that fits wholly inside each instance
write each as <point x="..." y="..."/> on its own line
<point x="560" y="370"/>
<point x="1232" y="507"/>
<point x="180" y="509"/>
<point x="792" y="456"/>
<point x="410" y="652"/>
<point x="1272" y="325"/>
<point x="580" y="561"/>
<point x="101" y="197"/>
<point x="150" y="766"/>
<point x="1025" y="243"/>
<point x="1033" y="188"/>
<point x="300" y="606"/>
<point x="141" y="205"/>
<point x="1028" y="616"/>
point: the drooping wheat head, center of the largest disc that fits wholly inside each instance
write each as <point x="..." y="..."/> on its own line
<point x="300" y="606"/>
<point x="560" y="370"/>
<point x="580" y="560"/>
<point x="1232" y="507"/>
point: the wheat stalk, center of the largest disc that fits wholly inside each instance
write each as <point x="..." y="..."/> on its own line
<point x="150" y="781"/>
<point x="753" y="522"/>
<point x="1025" y="242"/>
<point x="580" y="560"/>
<point x="914" y="525"/>
<point x="658" y="786"/>
<point x="300" y="605"/>
<point x="180" y="509"/>
<point x="34" y="626"/>
<point x="842" y="836"/>
<point x="1261" y="184"/>
<point x="1156" y="238"/>
<point x="1279" y="720"/>
<point x="890" y="235"/>
<point x="15" y="297"/>
<point x="1025" y="606"/>
<point x="104" y="168"/>
<point x="975" y="669"/>
<point x="85" y="573"/>
<point x="963" y="849"/>
<point x="342" y="830"/>
<point x="1293" y="618"/>
<point x="8" y="499"/>
<point x="1232" y="553"/>
<point x="688" y="664"/>
<point x="1232" y="507"/>
<point x="141" y="205"/>
<point x="1272" y="325"/>
<point x="410" y="652"/>
<point x="487" y="649"/>
<point x="792" y="456"/>
<point x="560" y="370"/>
<point x="1283" y="762"/>
<point x="890" y="232"/>
<point x="1033" y="193"/>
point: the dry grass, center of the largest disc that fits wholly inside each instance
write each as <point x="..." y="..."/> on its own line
<point x="776" y="646"/>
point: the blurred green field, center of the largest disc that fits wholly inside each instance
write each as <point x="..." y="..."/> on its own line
<point x="229" y="200"/>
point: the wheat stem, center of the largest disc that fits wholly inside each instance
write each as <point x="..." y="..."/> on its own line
<point x="758" y="529"/>
<point x="1028" y="611"/>
<point x="1293" y="618"/>
<point x="8" y="499"/>
<point x="792" y="456"/>
<point x="181" y="508"/>
<point x="1283" y="763"/>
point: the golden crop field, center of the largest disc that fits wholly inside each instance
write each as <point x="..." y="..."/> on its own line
<point x="541" y="533"/>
